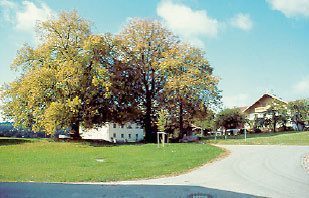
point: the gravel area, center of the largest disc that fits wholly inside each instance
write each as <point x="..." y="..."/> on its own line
<point x="305" y="162"/>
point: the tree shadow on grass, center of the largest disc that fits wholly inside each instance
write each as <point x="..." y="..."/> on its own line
<point x="252" y="135"/>
<point x="12" y="141"/>
<point x="103" y="143"/>
<point x="107" y="190"/>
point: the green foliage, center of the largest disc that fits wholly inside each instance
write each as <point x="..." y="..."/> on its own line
<point x="162" y="120"/>
<point x="44" y="161"/>
<point x="230" y="118"/>
<point x="278" y="114"/>
<point x="205" y="120"/>
<point x="299" y="111"/>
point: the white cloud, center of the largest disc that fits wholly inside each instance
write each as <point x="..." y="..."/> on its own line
<point x="302" y="87"/>
<point x="27" y="18"/>
<point x="7" y="4"/>
<point x="242" y="21"/>
<point x="188" y="23"/>
<point x="7" y="10"/>
<point x="25" y="15"/>
<point x="291" y="8"/>
<point x="237" y="100"/>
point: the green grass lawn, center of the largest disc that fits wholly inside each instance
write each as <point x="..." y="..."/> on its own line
<point x="48" y="161"/>
<point x="284" y="138"/>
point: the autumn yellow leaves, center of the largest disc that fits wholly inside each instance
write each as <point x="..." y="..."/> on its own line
<point x="76" y="77"/>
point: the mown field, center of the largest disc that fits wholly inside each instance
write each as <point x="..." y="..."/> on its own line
<point x="48" y="161"/>
<point x="284" y="138"/>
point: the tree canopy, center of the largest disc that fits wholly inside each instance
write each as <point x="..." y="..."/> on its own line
<point x="63" y="78"/>
<point x="230" y="118"/>
<point x="299" y="112"/>
<point x="190" y="85"/>
<point x="76" y="77"/>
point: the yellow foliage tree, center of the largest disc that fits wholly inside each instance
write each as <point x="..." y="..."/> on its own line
<point x="63" y="79"/>
<point x="190" y="86"/>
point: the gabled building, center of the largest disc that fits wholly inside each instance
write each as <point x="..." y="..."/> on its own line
<point x="259" y="110"/>
<point x="260" y="107"/>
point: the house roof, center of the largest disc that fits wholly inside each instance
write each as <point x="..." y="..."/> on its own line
<point x="242" y="109"/>
<point x="265" y="96"/>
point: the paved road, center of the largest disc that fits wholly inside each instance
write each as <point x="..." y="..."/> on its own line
<point x="249" y="171"/>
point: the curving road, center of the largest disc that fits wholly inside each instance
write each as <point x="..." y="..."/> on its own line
<point x="270" y="171"/>
<point x="249" y="171"/>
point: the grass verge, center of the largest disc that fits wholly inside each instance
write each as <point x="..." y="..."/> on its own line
<point x="281" y="138"/>
<point x="47" y="161"/>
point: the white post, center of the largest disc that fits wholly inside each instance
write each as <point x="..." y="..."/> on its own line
<point x="158" y="140"/>
<point x="163" y="134"/>
<point x="245" y="135"/>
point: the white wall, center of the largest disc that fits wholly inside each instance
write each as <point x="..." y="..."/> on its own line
<point x="126" y="130"/>
<point x="121" y="132"/>
<point x="100" y="133"/>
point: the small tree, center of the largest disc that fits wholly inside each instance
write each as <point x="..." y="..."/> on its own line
<point x="205" y="120"/>
<point x="162" y="120"/>
<point x="299" y="113"/>
<point x="278" y="114"/>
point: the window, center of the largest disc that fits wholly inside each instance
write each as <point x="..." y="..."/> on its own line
<point x="129" y="126"/>
<point x="114" y="135"/>
<point x="122" y="135"/>
<point x="136" y="136"/>
<point x="136" y="126"/>
<point x="122" y="125"/>
<point x="129" y="136"/>
<point x="114" y="125"/>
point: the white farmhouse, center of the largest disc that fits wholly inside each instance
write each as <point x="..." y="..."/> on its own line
<point x="129" y="132"/>
<point x="261" y="106"/>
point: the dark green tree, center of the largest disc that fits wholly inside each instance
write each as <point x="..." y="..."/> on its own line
<point x="299" y="112"/>
<point x="230" y="118"/>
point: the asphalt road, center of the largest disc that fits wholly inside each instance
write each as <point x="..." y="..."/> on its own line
<point x="249" y="171"/>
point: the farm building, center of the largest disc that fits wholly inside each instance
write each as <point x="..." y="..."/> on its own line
<point x="113" y="132"/>
<point x="260" y="107"/>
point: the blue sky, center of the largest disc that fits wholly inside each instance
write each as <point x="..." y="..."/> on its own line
<point x="254" y="46"/>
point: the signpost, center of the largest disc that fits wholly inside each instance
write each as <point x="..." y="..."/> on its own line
<point x="163" y="134"/>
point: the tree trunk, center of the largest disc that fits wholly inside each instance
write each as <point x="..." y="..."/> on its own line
<point x="274" y="123"/>
<point x="74" y="133"/>
<point x="181" y="118"/>
<point x="147" y="119"/>
<point x="297" y="122"/>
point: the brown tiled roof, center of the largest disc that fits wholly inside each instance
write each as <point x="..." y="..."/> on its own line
<point x="266" y="95"/>
<point x="243" y="108"/>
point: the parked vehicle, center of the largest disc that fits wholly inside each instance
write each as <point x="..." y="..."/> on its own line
<point x="232" y="131"/>
<point x="218" y="133"/>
